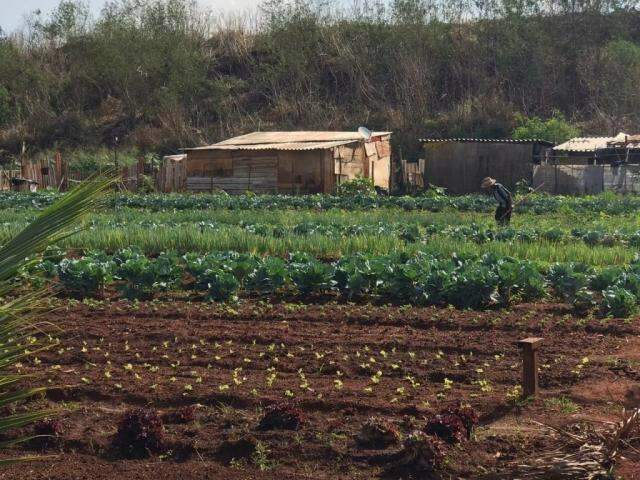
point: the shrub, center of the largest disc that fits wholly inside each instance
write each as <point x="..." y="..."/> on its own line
<point x="522" y="279"/>
<point x="139" y="278"/>
<point x="567" y="279"/>
<point x="140" y="433"/>
<point x="472" y="287"/>
<point x="410" y="233"/>
<point x="584" y="300"/>
<point x="167" y="270"/>
<point x="269" y="275"/>
<point x="356" y="186"/>
<point x="555" y="129"/>
<point x="606" y="278"/>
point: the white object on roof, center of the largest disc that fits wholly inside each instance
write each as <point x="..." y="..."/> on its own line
<point x="589" y="144"/>
<point x="175" y="158"/>
<point x="365" y="132"/>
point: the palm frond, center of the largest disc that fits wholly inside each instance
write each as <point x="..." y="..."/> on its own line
<point x="17" y="315"/>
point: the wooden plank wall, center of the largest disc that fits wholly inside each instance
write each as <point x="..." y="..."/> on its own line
<point x="172" y="176"/>
<point x="259" y="171"/>
<point x="461" y="166"/>
<point x="369" y="160"/>
<point x="412" y="175"/>
<point x="257" y="175"/>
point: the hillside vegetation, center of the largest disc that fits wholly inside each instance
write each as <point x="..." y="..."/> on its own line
<point x="156" y="75"/>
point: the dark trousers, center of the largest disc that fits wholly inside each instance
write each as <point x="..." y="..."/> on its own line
<point x="503" y="215"/>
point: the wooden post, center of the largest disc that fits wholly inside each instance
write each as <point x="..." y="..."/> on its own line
<point x="529" y="351"/>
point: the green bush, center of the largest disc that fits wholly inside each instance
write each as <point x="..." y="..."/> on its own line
<point x="555" y="129"/>
<point x="356" y="186"/>
<point x="607" y="278"/>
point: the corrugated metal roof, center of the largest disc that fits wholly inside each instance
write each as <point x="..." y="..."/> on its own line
<point x="294" y="137"/>
<point x="625" y="141"/>
<point x="277" y="146"/>
<point x="299" y="140"/>
<point x="588" y="144"/>
<point x="485" y="140"/>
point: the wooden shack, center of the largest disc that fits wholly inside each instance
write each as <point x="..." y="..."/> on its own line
<point x="460" y="164"/>
<point x="289" y="162"/>
<point x="587" y="150"/>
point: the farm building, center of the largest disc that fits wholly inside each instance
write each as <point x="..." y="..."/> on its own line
<point x="289" y="162"/>
<point x="591" y="165"/>
<point x="460" y="164"/>
<point x="585" y="150"/>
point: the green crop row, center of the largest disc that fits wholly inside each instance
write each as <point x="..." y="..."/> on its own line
<point x="473" y="281"/>
<point x="539" y="204"/>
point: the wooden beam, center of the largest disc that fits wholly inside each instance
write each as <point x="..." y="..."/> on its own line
<point x="529" y="351"/>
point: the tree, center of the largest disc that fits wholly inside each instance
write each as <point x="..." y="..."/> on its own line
<point x="555" y="129"/>
<point x="5" y="106"/>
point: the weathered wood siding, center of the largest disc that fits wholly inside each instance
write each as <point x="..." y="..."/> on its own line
<point x="461" y="166"/>
<point x="260" y="171"/>
<point x="287" y="171"/>
<point x="371" y="160"/>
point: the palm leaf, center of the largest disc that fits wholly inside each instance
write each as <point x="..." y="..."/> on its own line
<point x="17" y="319"/>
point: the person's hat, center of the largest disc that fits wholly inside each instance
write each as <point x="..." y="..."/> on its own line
<point x="488" y="182"/>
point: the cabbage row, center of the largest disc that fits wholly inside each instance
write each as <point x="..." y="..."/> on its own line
<point x="472" y="282"/>
<point x="541" y="204"/>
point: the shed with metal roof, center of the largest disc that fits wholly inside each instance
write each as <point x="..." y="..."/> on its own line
<point x="588" y="150"/>
<point x="460" y="164"/>
<point x="297" y="162"/>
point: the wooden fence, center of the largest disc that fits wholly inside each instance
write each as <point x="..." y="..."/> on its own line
<point x="56" y="173"/>
<point x="413" y="175"/>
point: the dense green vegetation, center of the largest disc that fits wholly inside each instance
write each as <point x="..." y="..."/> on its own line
<point x="423" y="250"/>
<point x="596" y="205"/>
<point x="155" y="75"/>
<point x="464" y="281"/>
<point x="571" y="229"/>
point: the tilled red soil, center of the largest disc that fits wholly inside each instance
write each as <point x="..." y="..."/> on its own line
<point x="340" y="363"/>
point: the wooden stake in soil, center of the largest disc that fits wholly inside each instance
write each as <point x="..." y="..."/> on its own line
<point x="529" y="350"/>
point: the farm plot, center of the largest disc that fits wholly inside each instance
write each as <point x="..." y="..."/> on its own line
<point x="315" y="337"/>
<point x="213" y="372"/>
